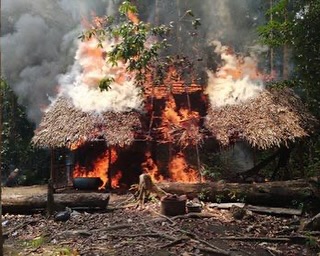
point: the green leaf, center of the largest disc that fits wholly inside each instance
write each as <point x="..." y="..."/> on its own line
<point x="126" y="7"/>
<point x="105" y="83"/>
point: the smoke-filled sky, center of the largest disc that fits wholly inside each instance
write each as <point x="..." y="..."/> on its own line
<point x="39" y="38"/>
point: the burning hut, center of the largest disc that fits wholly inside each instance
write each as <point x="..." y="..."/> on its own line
<point x="86" y="141"/>
<point x="173" y="116"/>
<point x="242" y="109"/>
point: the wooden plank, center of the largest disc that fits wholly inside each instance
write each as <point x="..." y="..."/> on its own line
<point x="274" y="210"/>
<point x="225" y="205"/>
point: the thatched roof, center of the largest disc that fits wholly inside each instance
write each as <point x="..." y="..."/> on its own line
<point x="64" y="125"/>
<point x="274" y="118"/>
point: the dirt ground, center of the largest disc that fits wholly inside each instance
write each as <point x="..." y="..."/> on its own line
<point x="124" y="229"/>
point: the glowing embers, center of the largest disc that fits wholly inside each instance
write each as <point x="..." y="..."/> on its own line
<point x="93" y="161"/>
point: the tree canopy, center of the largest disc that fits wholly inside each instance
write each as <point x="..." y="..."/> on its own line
<point x="295" y="23"/>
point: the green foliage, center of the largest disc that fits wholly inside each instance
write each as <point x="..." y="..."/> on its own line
<point x="139" y="45"/>
<point x="283" y="84"/>
<point x="64" y="251"/>
<point x="105" y="83"/>
<point x="126" y="7"/>
<point x="17" y="132"/>
<point x="312" y="242"/>
<point x="306" y="41"/>
<point x="36" y="242"/>
<point x="132" y="47"/>
<point x="277" y="31"/>
<point x="295" y="24"/>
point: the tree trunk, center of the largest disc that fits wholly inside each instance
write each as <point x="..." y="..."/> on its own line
<point x="26" y="203"/>
<point x="286" y="56"/>
<point x="271" y="48"/>
<point x="1" y="237"/>
<point x="278" y="193"/>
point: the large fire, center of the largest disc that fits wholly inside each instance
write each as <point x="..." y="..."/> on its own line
<point x="236" y="80"/>
<point x="181" y="171"/>
<point x="99" y="168"/>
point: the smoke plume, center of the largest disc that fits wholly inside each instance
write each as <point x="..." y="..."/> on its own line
<point x="39" y="41"/>
<point x="42" y="56"/>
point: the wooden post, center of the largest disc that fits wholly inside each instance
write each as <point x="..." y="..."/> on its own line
<point x="196" y="146"/>
<point x="50" y="198"/>
<point x="52" y="172"/>
<point x="109" y="167"/>
<point x="198" y="163"/>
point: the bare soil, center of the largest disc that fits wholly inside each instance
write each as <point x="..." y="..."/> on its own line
<point x="124" y="229"/>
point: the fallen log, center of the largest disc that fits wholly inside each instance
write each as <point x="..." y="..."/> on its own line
<point x="277" y="193"/>
<point x="26" y="201"/>
<point x="259" y="209"/>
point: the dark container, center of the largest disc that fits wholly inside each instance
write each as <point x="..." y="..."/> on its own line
<point x="87" y="183"/>
<point x="194" y="207"/>
<point x="173" y="205"/>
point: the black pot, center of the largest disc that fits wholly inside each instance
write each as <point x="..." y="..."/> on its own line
<point x="87" y="183"/>
<point x="173" y="205"/>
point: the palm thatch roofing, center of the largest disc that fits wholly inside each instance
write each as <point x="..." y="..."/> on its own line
<point x="64" y="125"/>
<point x="274" y="118"/>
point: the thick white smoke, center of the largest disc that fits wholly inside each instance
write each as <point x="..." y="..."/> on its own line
<point x="90" y="67"/>
<point x="236" y="80"/>
<point x="39" y="41"/>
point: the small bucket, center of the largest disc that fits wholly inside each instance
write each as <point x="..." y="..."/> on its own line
<point x="173" y="205"/>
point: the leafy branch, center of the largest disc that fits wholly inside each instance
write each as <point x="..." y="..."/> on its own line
<point x="137" y="44"/>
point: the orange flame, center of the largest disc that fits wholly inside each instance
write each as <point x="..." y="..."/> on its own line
<point x="99" y="168"/>
<point x="181" y="171"/>
<point x="238" y="67"/>
<point x="115" y="180"/>
<point x="173" y="118"/>
<point x="75" y="145"/>
<point x="150" y="167"/>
